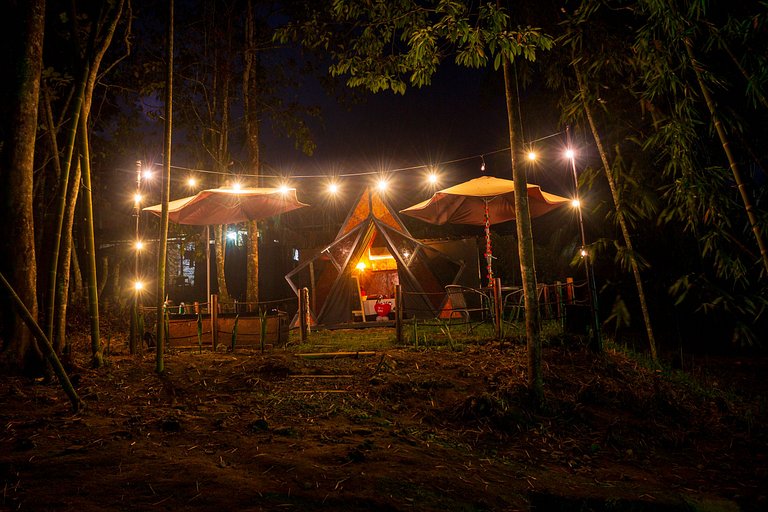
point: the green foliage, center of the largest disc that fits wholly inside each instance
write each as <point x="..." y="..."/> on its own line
<point x="388" y="45"/>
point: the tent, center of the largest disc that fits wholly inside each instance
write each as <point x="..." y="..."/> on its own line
<point x="373" y="251"/>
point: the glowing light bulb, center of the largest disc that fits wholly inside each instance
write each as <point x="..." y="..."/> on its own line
<point x="139" y="245"/>
<point x="137" y="198"/>
<point x="575" y="203"/>
<point x="283" y="189"/>
<point x="138" y="286"/>
<point x="191" y="182"/>
<point x="333" y="188"/>
<point x="583" y="253"/>
<point x="569" y="153"/>
<point x="432" y="178"/>
<point x="236" y="185"/>
<point x="531" y="156"/>
<point x="231" y="235"/>
<point x="360" y="266"/>
<point x="147" y="174"/>
<point x="382" y="185"/>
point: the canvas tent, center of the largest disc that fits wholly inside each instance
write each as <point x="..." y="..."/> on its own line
<point x="374" y="249"/>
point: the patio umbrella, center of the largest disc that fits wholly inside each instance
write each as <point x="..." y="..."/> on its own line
<point x="482" y="202"/>
<point x="229" y="206"/>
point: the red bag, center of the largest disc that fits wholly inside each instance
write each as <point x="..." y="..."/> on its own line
<point x="382" y="308"/>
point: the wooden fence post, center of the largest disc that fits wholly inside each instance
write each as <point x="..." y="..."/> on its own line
<point x="304" y="314"/>
<point x="399" y="306"/>
<point x="214" y="310"/>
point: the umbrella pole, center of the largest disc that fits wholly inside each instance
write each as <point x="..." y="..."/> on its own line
<point x="208" y="265"/>
<point x="488" y="252"/>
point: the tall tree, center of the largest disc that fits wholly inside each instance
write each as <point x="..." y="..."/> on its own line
<point x="166" y="192"/>
<point x="252" y="131"/>
<point x="22" y="40"/>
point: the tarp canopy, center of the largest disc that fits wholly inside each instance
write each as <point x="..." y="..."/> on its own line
<point x="422" y="271"/>
<point x="230" y="206"/>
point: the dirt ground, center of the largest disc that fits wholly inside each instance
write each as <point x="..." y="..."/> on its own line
<point x="449" y="429"/>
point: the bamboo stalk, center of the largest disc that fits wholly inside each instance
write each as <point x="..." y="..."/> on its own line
<point x="33" y="326"/>
<point x="333" y="355"/>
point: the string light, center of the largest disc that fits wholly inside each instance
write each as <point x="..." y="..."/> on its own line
<point x="147" y="174"/>
<point x="139" y="245"/>
<point x="138" y="286"/>
<point x="575" y="203"/>
<point x="360" y="266"/>
<point x="333" y="188"/>
<point x="137" y="198"/>
<point x="569" y="154"/>
<point x="482" y="165"/>
<point x="231" y="235"/>
<point x="191" y="182"/>
<point x="237" y="186"/>
<point x="432" y="178"/>
<point x="583" y="253"/>
<point x="382" y="185"/>
<point x="284" y="189"/>
<point x="531" y="156"/>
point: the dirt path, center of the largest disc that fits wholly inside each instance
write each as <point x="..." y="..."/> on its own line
<point x="398" y="430"/>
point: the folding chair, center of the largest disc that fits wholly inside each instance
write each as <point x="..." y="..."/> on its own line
<point x="468" y="303"/>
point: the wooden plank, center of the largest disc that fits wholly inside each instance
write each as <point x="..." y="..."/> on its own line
<point x="333" y="355"/>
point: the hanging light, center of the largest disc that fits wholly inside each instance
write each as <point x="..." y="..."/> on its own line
<point x="138" y="286"/>
<point x="360" y="266"/>
<point x="575" y="203"/>
<point x="333" y="188"/>
<point x="284" y="189"/>
<point x="137" y="198"/>
<point x="432" y="178"/>
<point x="191" y="182"/>
<point x="382" y="185"/>
<point x="139" y="245"/>
<point x="531" y="155"/>
<point x="482" y="165"/>
<point x="569" y="154"/>
<point x="237" y="186"/>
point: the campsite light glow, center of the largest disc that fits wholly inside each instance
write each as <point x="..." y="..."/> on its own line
<point x="333" y="188"/>
<point x="237" y="186"/>
<point x="360" y="266"/>
<point x="137" y="198"/>
<point x="138" y="286"/>
<point x="139" y="245"/>
<point x="191" y="182"/>
<point x="432" y="178"/>
<point x="382" y="185"/>
<point x="575" y="203"/>
<point x="231" y="235"/>
<point x="569" y="154"/>
<point x="532" y="156"/>
<point x="284" y="189"/>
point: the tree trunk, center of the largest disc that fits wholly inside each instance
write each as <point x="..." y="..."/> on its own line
<point x="220" y="237"/>
<point x="250" y="93"/>
<point x="90" y="246"/>
<point x="525" y="251"/>
<point x="68" y="256"/>
<point x="22" y="42"/>
<point x="76" y="280"/>
<point x="162" y="252"/>
<point x="619" y="214"/>
<point x="735" y="170"/>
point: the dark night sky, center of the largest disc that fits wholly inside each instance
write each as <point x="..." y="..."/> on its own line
<point x="462" y="114"/>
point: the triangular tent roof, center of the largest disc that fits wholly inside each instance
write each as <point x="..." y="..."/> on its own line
<point x="423" y="271"/>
